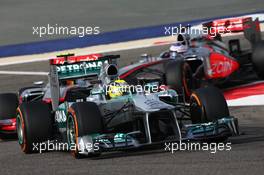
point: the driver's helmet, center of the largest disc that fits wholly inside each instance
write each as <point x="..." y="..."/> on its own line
<point x="117" y="88"/>
<point x="177" y="48"/>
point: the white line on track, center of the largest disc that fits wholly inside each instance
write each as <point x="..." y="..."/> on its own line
<point x="24" y="73"/>
<point x="245" y="85"/>
<point x="254" y="100"/>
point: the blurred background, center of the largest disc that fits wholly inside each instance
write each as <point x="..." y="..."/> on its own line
<point x="18" y="17"/>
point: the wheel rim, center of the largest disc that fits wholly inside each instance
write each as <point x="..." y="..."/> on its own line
<point x="71" y="135"/>
<point x="20" y="131"/>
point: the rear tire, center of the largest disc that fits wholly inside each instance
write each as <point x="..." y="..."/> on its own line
<point x="258" y="59"/>
<point x="84" y="118"/>
<point x="34" y="125"/>
<point x="208" y="105"/>
<point x="8" y="106"/>
<point x="179" y="77"/>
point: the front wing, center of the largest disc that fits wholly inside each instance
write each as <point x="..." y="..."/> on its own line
<point x="220" y="129"/>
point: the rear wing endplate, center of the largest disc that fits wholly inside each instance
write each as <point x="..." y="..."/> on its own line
<point x="252" y="30"/>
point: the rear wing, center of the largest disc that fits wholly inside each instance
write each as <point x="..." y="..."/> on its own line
<point x="70" y="67"/>
<point x="252" y="33"/>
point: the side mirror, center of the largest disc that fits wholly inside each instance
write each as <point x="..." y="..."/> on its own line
<point x="38" y="83"/>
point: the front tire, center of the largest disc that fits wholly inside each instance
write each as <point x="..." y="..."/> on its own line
<point x="84" y="118"/>
<point x="34" y="125"/>
<point x="207" y="105"/>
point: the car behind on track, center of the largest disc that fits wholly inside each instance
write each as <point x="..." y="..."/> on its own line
<point x="207" y="61"/>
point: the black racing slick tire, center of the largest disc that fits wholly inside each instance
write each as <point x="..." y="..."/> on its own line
<point x="258" y="59"/>
<point x="8" y="105"/>
<point x="84" y="118"/>
<point x="207" y="104"/>
<point x="34" y="125"/>
<point x="179" y="77"/>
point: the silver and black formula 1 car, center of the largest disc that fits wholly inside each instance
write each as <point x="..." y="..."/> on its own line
<point x="89" y="121"/>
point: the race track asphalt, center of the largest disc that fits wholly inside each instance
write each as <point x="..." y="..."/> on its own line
<point x="18" y="17"/>
<point x="245" y="157"/>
